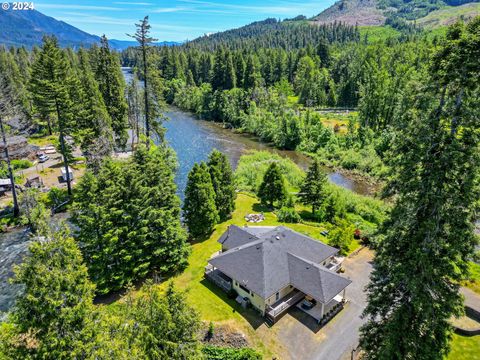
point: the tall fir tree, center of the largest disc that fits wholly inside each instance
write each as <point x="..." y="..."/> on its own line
<point x="52" y="316"/>
<point x="94" y="126"/>
<point x="52" y="86"/>
<point x="312" y="191"/>
<point x="429" y="238"/>
<point x="223" y="184"/>
<point x="7" y="104"/>
<point x="272" y="189"/>
<point x="129" y="219"/>
<point x="144" y="40"/>
<point x="112" y="86"/>
<point x="199" y="209"/>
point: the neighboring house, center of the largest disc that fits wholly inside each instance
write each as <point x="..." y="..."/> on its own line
<point x="274" y="268"/>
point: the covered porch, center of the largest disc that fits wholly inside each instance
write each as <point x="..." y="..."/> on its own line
<point x="321" y="312"/>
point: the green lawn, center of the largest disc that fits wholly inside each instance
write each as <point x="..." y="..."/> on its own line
<point x="43" y="140"/>
<point x="212" y="303"/>
<point x="465" y="348"/>
<point x="474" y="281"/>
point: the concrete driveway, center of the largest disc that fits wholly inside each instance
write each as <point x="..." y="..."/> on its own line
<point x="305" y="341"/>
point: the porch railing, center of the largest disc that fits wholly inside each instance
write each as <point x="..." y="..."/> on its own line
<point x="214" y="275"/>
<point x="287" y="302"/>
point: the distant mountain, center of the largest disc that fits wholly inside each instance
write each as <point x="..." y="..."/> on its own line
<point x="379" y="12"/>
<point x="27" y="28"/>
<point x="352" y="12"/>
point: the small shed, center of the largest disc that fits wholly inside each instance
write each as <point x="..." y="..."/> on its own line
<point x="64" y="173"/>
<point x="6" y="184"/>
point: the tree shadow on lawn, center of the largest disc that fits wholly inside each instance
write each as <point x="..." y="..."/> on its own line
<point x="261" y="208"/>
<point x="253" y="318"/>
<point x="200" y="239"/>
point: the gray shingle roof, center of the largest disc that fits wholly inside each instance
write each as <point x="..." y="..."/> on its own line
<point x="262" y="262"/>
<point x="314" y="280"/>
<point x="236" y="236"/>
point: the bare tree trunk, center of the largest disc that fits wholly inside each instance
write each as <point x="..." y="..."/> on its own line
<point x="147" y="112"/>
<point x="16" y="210"/>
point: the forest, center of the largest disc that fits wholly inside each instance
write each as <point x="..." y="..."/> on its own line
<point x="405" y="114"/>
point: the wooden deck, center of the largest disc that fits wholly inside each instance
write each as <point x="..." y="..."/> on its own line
<point x="284" y="304"/>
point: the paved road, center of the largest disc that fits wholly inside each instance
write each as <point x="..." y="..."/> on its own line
<point x="472" y="299"/>
<point x="337" y="339"/>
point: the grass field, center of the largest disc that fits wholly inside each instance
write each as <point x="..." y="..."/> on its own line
<point x="212" y="303"/>
<point x="465" y="348"/>
<point x="378" y="33"/>
<point x="43" y="140"/>
<point x="448" y="15"/>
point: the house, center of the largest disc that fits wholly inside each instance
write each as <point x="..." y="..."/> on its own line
<point x="275" y="268"/>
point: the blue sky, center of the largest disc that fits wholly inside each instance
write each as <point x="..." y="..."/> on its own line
<point x="172" y="19"/>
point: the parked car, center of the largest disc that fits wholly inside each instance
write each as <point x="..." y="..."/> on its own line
<point x="42" y="158"/>
<point x="308" y="303"/>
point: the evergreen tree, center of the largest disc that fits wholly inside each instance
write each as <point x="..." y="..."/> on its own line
<point x="129" y="219"/>
<point x="112" y="87"/>
<point x="135" y="109"/>
<point x="272" y="188"/>
<point x="223" y="185"/>
<point x="312" y="191"/>
<point x="94" y="125"/>
<point x="252" y="74"/>
<point x="199" y="209"/>
<point x="6" y="101"/>
<point x="144" y="40"/>
<point x="52" y="314"/>
<point x="52" y="86"/>
<point x="414" y="288"/>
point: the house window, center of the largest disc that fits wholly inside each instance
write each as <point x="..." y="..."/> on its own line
<point x="244" y="288"/>
<point x="277" y="296"/>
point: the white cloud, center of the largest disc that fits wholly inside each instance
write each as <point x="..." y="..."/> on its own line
<point x="77" y="7"/>
<point x="132" y="3"/>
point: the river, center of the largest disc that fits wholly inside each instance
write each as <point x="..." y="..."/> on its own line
<point x="193" y="139"/>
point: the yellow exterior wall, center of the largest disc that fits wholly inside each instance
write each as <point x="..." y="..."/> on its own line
<point x="285" y="291"/>
<point x="257" y="301"/>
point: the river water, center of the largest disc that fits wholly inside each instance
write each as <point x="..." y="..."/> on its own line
<point x="194" y="139"/>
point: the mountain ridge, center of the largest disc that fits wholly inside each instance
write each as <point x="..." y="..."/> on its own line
<point x="27" y="28"/>
<point x="380" y="12"/>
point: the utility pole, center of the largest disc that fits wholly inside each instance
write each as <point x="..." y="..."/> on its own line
<point x="16" y="210"/>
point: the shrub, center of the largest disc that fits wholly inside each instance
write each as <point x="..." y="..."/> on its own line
<point x="288" y="215"/>
<point x="221" y="353"/>
<point x="21" y="164"/>
<point x="211" y="330"/>
<point x="253" y="165"/>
